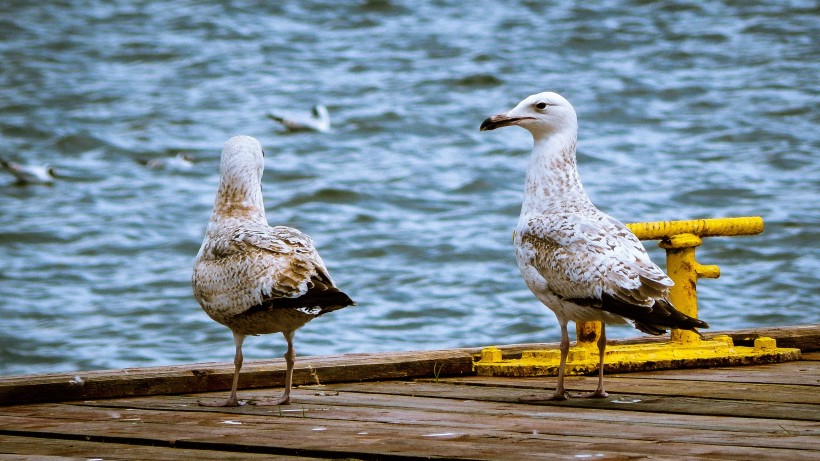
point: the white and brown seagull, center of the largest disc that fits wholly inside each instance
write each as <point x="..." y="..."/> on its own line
<point x="580" y="262"/>
<point x="319" y="120"/>
<point x="254" y="278"/>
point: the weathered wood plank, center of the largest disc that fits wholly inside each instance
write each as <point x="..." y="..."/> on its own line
<point x="811" y="356"/>
<point x="382" y="407"/>
<point x="803" y="337"/>
<point x="587" y="423"/>
<point x="635" y="402"/>
<point x="334" y="368"/>
<point x="28" y="448"/>
<point x="406" y="438"/>
<point x="803" y="373"/>
<point x="217" y="376"/>
<point x="674" y="387"/>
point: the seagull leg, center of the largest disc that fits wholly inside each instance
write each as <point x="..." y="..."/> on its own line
<point x="290" y="359"/>
<point x="560" y="392"/>
<point x="600" y="392"/>
<point x="232" y="401"/>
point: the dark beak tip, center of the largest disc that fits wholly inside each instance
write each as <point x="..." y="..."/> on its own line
<point x="488" y="124"/>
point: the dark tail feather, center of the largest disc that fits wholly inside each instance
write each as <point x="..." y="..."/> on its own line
<point x="654" y="320"/>
<point x="327" y="300"/>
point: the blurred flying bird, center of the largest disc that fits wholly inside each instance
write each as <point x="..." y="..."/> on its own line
<point x="28" y="174"/>
<point x="319" y="120"/>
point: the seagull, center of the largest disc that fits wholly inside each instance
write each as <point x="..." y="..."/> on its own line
<point x="251" y="277"/>
<point x="181" y="161"/>
<point x="580" y="262"/>
<point x="28" y="174"/>
<point x="319" y="121"/>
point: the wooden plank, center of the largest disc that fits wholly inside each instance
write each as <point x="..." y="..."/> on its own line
<point x="208" y="377"/>
<point x="383" y="407"/>
<point x="217" y="376"/>
<point x="411" y="439"/>
<point x="802" y="372"/>
<point x="26" y="448"/>
<point x="635" y="402"/>
<point x="803" y="337"/>
<point x="811" y="356"/>
<point x="791" y="382"/>
<point x="327" y="404"/>
<point x="477" y="414"/>
<point x="624" y="384"/>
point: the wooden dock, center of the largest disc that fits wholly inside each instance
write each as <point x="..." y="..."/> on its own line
<point x="419" y="405"/>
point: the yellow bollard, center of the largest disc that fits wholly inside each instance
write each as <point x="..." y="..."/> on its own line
<point x="679" y="239"/>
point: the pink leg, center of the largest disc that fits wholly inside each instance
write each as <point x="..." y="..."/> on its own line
<point x="600" y="392"/>
<point x="560" y="392"/>
<point x="232" y="401"/>
<point x="290" y="359"/>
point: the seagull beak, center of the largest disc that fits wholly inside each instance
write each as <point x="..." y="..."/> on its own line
<point x="500" y="121"/>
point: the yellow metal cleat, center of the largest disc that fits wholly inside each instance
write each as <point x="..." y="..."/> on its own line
<point x="583" y="360"/>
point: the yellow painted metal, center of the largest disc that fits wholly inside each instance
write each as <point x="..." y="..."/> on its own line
<point x="717" y="227"/>
<point x="583" y="360"/>
<point x="679" y="239"/>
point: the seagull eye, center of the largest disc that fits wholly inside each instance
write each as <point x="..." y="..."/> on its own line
<point x="541" y="105"/>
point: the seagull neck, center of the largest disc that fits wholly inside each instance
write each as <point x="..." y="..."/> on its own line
<point x="236" y="199"/>
<point x="552" y="174"/>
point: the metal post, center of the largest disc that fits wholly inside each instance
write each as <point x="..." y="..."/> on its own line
<point x="685" y="271"/>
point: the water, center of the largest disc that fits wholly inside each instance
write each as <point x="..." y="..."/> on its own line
<point x="687" y="109"/>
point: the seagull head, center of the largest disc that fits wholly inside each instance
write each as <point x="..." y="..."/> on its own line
<point x="320" y="111"/>
<point x="242" y="160"/>
<point x="541" y="114"/>
<point x="322" y="117"/>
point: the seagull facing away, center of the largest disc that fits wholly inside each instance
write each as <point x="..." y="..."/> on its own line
<point x="580" y="262"/>
<point x="28" y="174"/>
<point x="319" y="120"/>
<point x="254" y="278"/>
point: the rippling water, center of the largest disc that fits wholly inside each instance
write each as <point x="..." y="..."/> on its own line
<point x="687" y="109"/>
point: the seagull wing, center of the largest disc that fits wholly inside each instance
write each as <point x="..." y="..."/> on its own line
<point x="291" y="123"/>
<point x="296" y="276"/>
<point x="595" y="261"/>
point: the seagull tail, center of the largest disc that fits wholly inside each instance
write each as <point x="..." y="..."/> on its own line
<point x="325" y="299"/>
<point x="652" y="319"/>
<point x="666" y="316"/>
